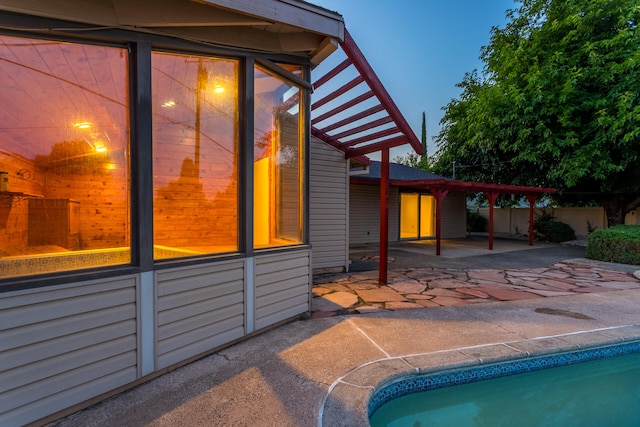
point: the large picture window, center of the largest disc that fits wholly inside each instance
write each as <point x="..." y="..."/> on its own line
<point x="195" y="155"/>
<point x="64" y="148"/>
<point x="278" y="162"/>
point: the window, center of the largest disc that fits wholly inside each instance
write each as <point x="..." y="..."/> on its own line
<point x="64" y="156"/>
<point x="409" y="215"/>
<point x="278" y="162"/>
<point x="195" y="155"/>
<point x="427" y="215"/>
<point x="417" y="215"/>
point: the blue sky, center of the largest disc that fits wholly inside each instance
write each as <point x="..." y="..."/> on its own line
<point x="420" y="49"/>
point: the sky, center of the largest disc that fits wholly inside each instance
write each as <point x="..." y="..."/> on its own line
<point x="420" y="49"/>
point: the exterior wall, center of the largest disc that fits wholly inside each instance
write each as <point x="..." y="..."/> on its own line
<point x="365" y="219"/>
<point x="329" y="206"/>
<point x="516" y="220"/>
<point x="454" y="216"/>
<point x="199" y="308"/>
<point x="364" y="214"/>
<point x="67" y="340"/>
<point x="64" y="344"/>
<point x="282" y="287"/>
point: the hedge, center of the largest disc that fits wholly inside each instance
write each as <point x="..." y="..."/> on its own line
<point x="619" y="244"/>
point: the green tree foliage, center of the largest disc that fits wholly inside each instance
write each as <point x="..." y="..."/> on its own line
<point x="557" y="105"/>
<point x="423" y="138"/>
<point x="412" y="159"/>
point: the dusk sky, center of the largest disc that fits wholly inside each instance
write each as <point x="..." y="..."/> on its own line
<point x="420" y="49"/>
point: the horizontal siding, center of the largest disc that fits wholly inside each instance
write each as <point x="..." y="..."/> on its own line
<point x="282" y="287"/>
<point x="364" y="214"/>
<point x="62" y="345"/>
<point x="198" y="308"/>
<point x="328" y="206"/>
<point x="394" y="214"/>
<point x="454" y="216"/>
<point x="364" y="225"/>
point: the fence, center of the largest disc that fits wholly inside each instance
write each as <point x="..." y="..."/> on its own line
<point x="582" y="220"/>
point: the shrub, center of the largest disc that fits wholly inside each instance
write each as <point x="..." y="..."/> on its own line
<point x="554" y="231"/>
<point x="620" y="244"/>
<point x="476" y="222"/>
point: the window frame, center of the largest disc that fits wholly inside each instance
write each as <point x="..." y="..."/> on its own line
<point x="304" y="132"/>
<point x="140" y="46"/>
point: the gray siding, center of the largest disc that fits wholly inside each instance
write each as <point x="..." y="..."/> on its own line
<point x="329" y="204"/>
<point x="199" y="308"/>
<point x="364" y="214"/>
<point x="283" y="286"/>
<point x="454" y="216"/>
<point x="62" y="345"/>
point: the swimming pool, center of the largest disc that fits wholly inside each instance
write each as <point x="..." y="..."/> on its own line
<point x="594" y="387"/>
<point x="353" y="396"/>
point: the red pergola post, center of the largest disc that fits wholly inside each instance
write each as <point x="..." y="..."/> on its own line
<point x="384" y="217"/>
<point x="491" y="197"/>
<point x="531" y="198"/>
<point x="439" y="195"/>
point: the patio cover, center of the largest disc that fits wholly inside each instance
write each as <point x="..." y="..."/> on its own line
<point x="357" y="115"/>
<point x="352" y="111"/>
<point x="439" y="186"/>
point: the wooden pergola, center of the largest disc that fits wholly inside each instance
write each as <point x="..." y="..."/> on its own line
<point x="363" y="124"/>
<point x="439" y="188"/>
<point x="358" y="116"/>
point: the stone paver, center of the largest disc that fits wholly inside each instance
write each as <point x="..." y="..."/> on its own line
<point x="346" y="293"/>
<point x="381" y="294"/>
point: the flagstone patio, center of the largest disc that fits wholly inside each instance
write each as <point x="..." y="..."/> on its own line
<point x="358" y="293"/>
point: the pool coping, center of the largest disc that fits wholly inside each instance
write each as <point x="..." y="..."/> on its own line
<point x="346" y="402"/>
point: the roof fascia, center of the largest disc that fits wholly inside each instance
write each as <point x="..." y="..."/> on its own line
<point x="291" y="12"/>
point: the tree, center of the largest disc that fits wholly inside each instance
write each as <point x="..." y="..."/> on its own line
<point x="412" y="159"/>
<point x="423" y="137"/>
<point x="557" y="105"/>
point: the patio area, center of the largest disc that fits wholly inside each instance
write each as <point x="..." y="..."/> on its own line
<point x="466" y="273"/>
<point x="321" y="371"/>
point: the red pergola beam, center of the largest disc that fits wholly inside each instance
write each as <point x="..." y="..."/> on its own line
<point x="352" y="102"/>
<point x="361" y="115"/>
<point x="333" y="95"/>
<point x="364" y="68"/>
<point x="531" y="198"/>
<point x="331" y="74"/>
<point x="372" y="148"/>
<point x="491" y="197"/>
<point x="439" y="195"/>
<point x="384" y="218"/>
<point x="372" y="137"/>
<point x="364" y="127"/>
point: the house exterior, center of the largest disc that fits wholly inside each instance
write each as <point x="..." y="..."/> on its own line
<point x="345" y="203"/>
<point x="330" y="198"/>
<point x="412" y="210"/>
<point x="154" y="204"/>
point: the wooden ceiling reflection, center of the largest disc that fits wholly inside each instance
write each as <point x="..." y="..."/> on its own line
<point x="48" y="87"/>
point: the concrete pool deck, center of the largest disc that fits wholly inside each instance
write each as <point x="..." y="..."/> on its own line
<point x="318" y="371"/>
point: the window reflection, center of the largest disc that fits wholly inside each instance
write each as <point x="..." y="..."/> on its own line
<point x="64" y="152"/>
<point x="195" y="155"/>
<point x="277" y="162"/>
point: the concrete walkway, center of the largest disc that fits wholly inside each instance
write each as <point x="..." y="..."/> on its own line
<point x="320" y="372"/>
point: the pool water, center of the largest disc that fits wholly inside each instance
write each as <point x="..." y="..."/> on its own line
<point x="603" y="392"/>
